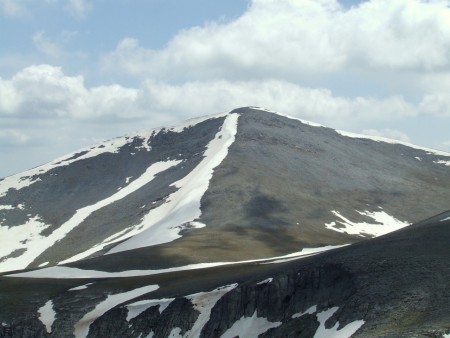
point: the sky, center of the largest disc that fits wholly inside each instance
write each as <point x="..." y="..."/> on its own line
<point x="76" y="72"/>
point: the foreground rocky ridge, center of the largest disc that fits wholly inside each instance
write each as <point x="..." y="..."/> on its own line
<point x="396" y="285"/>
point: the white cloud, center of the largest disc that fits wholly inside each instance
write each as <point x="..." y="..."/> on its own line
<point x="45" y="91"/>
<point x="79" y="8"/>
<point x="19" y="8"/>
<point x="54" y="47"/>
<point x="46" y="46"/>
<point x="13" y="8"/>
<point x="316" y="104"/>
<point x="292" y="38"/>
<point x="388" y="133"/>
<point x="436" y="104"/>
<point x="400" y="34"/>
<point x="436" y="100"/>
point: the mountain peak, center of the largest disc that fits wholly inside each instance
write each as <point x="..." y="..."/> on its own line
<point x="187" y="222"/>
<point x="251" y="176"/>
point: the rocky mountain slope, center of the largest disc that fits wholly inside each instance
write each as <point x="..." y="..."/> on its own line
<point x="225" y="224"/>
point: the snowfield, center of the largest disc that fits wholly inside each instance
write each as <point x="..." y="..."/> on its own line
<point x="345" y="332"/>
<point x="204" y="302"/>
<point x="383" y="224"/>
<point x="249" y="327"/>
<point x="82" y="326"/>
<point x="47" y="315"/>
<point x="135" y="309"/>
<point x="161" y="225"/>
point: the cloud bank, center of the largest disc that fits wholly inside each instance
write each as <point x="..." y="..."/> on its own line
<point x="291" y="38"/>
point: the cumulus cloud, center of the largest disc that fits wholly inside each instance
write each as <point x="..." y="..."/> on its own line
<point x="79" y="8"/>
<point x="13" y="8"/>
<point x="316" y="104"/>
<point x="436" y="100"/>
<point x="436" y="104"/>
<point x="292" y="38"/>
<point x="45" y="91"/>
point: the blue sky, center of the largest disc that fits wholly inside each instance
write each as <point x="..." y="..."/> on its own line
<point x="75" y="72"/>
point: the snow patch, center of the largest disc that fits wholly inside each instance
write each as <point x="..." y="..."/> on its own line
<point x="304" y="253"/>
<point x="43" y="264"/>
<point x="203" y="302"/>
<point x="47" y="315"/>
<point x="197" y="225"/>
<point x="68" y="272"/>
<point x="310" y="311"/>
<point x="345" y="332"/>
<point x="26" y="238"/>
<point x="383" y="224"/>
<point x="161" y="224"/>
<point x="146" y="140"/>
<point x="445" y="219"/>
<point x="81" y="328"/>
<point x="175" y="333"/>
<point x="6" y="207"/>
<point x="17" y="182"/>
<point x="447" y="163"/>
<point x="81" y="287"/>
<point x="135" y="309"/>
<point x="265" y="281"/>
<point x="249" y="327"/>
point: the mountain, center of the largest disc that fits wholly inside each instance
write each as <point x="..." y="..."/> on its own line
<point x="243" y="220"/>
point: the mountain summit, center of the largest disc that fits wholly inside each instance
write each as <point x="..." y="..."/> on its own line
<point x="240" y="196"/>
